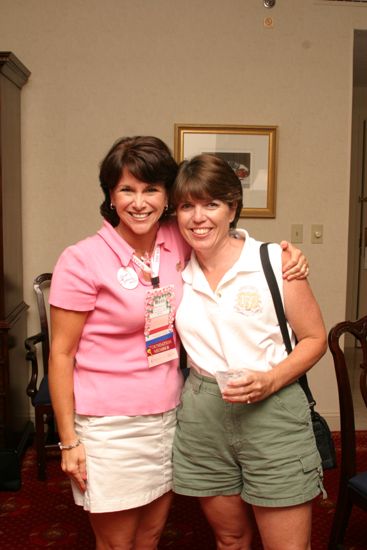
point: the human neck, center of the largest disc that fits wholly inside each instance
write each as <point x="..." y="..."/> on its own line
<point x="215" y="263"/>
<point x="142" y="244"/>
<point x="227" y="253"/>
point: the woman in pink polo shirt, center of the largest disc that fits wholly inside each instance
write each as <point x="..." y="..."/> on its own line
<point x="114" y="372"/>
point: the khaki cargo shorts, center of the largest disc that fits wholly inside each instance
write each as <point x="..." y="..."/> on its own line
<point x="264" y="451"/>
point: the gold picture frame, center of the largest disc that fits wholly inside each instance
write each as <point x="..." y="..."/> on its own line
<point x="250" y="151"/>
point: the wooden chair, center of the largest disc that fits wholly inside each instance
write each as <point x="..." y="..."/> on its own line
<point x="38" y="346"/>
<point x="352" y="484"/>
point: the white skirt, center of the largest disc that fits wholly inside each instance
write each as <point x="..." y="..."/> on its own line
<point x="129" y="460"/>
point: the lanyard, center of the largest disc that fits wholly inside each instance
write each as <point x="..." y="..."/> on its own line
<point x="152" y="267"/>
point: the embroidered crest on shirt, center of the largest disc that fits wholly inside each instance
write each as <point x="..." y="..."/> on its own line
<point x="248" y="301"/>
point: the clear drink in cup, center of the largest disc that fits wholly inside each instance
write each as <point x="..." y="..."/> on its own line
<point x="223" y="377"/>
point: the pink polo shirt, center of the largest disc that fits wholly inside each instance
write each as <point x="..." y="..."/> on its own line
<point x="111" y="374"/>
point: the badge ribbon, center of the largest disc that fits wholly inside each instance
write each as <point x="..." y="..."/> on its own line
<point x="159" y="318"/>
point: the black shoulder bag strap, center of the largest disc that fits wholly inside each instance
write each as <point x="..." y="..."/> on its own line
<point x="274" y="290"/>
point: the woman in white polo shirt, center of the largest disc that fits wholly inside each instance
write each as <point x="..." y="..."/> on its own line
<point x="249" y="452"/>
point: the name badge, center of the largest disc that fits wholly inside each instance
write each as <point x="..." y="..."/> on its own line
<point x="127" y="277"/>
<point x="159" y="319"/>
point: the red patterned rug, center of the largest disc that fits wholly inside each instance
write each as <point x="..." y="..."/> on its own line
<point x="42" y="514"/>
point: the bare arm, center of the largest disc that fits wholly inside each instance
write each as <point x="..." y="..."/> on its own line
<point x="304" y="316"/>
<point x="66" y="329"/>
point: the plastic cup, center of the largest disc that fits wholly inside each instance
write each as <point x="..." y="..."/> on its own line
<point x="223" y="377"/>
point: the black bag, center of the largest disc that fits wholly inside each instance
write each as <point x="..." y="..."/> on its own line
<point x="324" y="440"/>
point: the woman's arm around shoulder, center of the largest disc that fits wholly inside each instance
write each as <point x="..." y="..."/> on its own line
<point x="294" y="262"/>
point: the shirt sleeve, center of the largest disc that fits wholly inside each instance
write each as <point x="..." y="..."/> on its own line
<point x="72" y="285"/>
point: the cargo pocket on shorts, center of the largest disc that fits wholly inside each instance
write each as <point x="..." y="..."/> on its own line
<point x="312" y="463"/>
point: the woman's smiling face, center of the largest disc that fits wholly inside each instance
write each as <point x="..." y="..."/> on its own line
<point x="204" y="223"/>
<point x="139" y="205"/>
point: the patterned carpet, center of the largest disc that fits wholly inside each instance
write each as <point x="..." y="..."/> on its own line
<point x="43" y="515"/>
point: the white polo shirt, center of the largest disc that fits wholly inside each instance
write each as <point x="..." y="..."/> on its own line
<point x="236" y="326"/>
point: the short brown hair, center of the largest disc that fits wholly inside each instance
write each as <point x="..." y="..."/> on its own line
<point x="147" y="158"/>
<point x="207" y="176"/>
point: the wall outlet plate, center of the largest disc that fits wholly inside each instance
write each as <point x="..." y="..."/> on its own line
<point x="297" y="233"/>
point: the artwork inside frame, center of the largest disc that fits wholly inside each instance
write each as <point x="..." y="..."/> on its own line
<point x="249" y="150"/>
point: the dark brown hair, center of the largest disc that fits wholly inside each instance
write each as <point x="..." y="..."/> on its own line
<point x="207" y="177"/>
<point x="147" y="158"/>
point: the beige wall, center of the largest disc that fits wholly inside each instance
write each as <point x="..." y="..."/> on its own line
<point x="102" y="69"/>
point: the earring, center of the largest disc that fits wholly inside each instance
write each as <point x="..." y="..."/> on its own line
<point x="166" y="208"/>
<point x="112" y="206"/>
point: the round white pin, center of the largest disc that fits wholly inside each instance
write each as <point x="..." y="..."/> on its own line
<point x="127" y="277"/>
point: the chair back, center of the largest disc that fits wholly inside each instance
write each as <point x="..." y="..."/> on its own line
<point x="41" y="285"/>
<point x="344" y="363"/>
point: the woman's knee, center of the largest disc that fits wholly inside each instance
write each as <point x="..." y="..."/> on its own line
<point x="230" y="541"/>
<point x="231" y="520"/>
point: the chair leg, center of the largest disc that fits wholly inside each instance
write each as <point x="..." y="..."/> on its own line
<point x="340" y="521"/>
<point x="40" y="445"/>
<point x="51" y="432"/>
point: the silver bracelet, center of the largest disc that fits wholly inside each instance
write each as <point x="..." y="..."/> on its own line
<point x="69" y="447"/>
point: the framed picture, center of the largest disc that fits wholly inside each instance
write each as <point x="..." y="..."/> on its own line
<point x="249" y="150"/>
